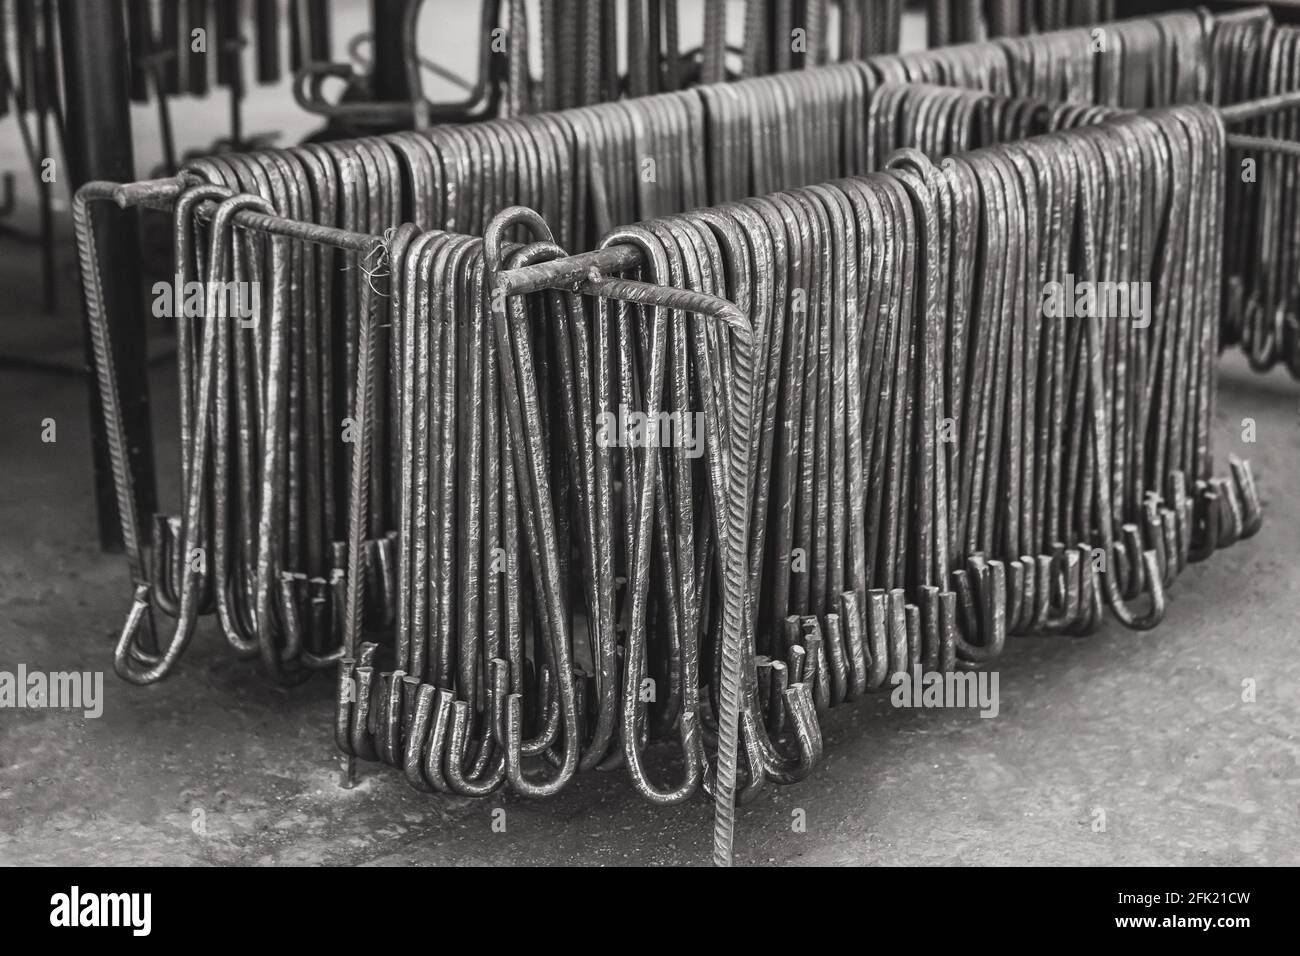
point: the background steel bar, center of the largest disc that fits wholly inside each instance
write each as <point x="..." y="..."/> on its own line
<point x="97" y="85"/>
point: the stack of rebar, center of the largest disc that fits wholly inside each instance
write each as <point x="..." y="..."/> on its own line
<point x="1261" y="309"/>
<point x="733" y="466"/>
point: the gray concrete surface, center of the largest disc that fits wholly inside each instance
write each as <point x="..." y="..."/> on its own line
<point x="1149" y="728"/>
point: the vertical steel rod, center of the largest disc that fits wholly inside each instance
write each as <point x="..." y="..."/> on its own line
<point x="99" y="147"/>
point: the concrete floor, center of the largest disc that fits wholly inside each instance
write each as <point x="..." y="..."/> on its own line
<point x="1149" y="728"/>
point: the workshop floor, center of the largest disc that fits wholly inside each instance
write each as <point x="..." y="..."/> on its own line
<point x="214" y="766"/>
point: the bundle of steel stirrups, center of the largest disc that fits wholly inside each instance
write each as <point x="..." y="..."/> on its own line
<point x="828" y="540"/>
<point x="1261" y="309"/>
<point x="587" y="170"/>
<point x="949" y="558"/>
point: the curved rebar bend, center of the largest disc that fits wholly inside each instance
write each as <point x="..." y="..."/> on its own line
<point x="273" y="658"/>
<point x="188" y="613"/>
<point x="111" y="410"/>
<point x="574" y="379"/>
<point x="1125" y="564"/>
<point x="362" y="739"/>
<point x="713" y="244"/>
<point x="1153" y="579"/>
<point x="239" y="625"/>
<point x="734" y="608"/>
<point x="602" y="628"/>
<point x="690" y="246"/>
<point x="983" y="609"/>
<point x="919" y="178"/>
<point x="1151" y="576"/>
<point x="1160" y="525"/>
<point x="311" y="76"/>
<point x="162" y="563"/>
<point x="417" y="734"/>
<point x="1229" y="512"/>
<point x="435" y="751"/>
<point x="185" y="204"/>
<point x="736" y="612"/>
<point x="802" y="714"/>
<point x="292" y="621"/>
<point x="549" y="731"/>
<point x="1065" y="566"/>
<point x="518" y="377"/>
<point x="684" y="243"/>
<point x="669" y="526"/>
<point x="1099" y="437"/>
<point x="1205" y="517"/>
<point x="167" y="557"/>
<point x="495" y="768"/>
<point x="656" y="262"/>
<point x="763" y="757"/>
<point x="1091" y="608"/>
<point x="755" y="772"/>
<point x="1252" y="514"/>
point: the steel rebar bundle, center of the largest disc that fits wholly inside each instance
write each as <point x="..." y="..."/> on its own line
<point x="452" y="177"/>
<point x="1261" y="309"/>
<point x="1050" y="509"/>
<point x="848" y="418"/>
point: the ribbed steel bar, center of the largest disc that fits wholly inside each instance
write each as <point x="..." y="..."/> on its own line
<point x="97" y="91"/>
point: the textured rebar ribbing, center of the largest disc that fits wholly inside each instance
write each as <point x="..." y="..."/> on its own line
<point x="585" y="277"/>
<point x="568" y="273"/>
<point x="360" y="471"/>
<point x="105" y="371"/>
<point x="162" y="193"/>
<point x="157" y="193"/>
<point x="1254" y="109"/>
<point x="1263" y="144"/>
<point x="646" y="293"/>
<point x="736" y="610"/>
<point x="735" y="615"/>
<point x="153" y="193"/>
